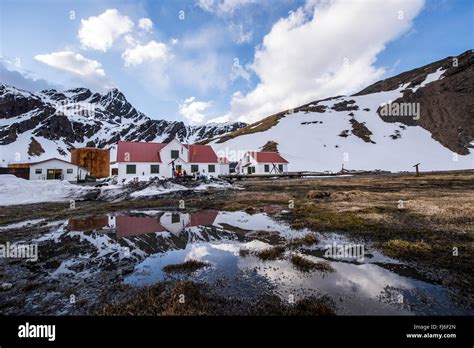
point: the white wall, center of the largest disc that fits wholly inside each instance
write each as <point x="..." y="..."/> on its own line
<point x="143" y="169"/>
<point x="204" y="168"/>
<point x="165" y="152"/>
<point x="246" y="159"/>
<point x="176" y="227"/>
<point x="56" y="164"/>
<point x="224" y="169"/>
<point x="260" y="169"/>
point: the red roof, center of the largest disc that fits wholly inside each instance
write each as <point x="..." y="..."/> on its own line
<point x="128" y="226"/>
<point x="203" y="218"/>
<point x="150" y="152"/>
<point x="139" y="152"/>
<point x="201" y="154"/>
<point x="268" y="157"/>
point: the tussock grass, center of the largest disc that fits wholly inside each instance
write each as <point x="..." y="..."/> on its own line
<point x="308" y="239"/>
<point x="271" y="253"/>
<point x="188" y="266"/>
<point x="305" y="265"/>
<point x="186" y="298"/>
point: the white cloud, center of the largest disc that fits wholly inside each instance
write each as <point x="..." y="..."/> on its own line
<point x="239" y="71"/>
<point x="192" y="110"/>
<point x="100" y="32"/>
<point x="152" y="51"/>
<point x="238" y="34"/>
<point x="195" y="64"/>
<point x="223" y="6"/>
<point x="87" y="70"/>
<point x="323" y="49"/>
<point x="145" y="24"/>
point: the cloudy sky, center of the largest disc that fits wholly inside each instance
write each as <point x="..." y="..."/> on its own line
<point x="217" y="60"/>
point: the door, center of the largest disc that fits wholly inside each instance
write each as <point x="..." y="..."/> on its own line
<point x="54" y="174"/>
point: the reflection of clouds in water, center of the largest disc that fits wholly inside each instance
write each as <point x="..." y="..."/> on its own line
<point x="202" y="250"/>
<point x="369" y="279"/>
<point x="231" y="248"/>
<point x="197" y="252"/>
<point x="256" y="222"/>
<point x="365" y="280"/>
<point x="235" y="247"/>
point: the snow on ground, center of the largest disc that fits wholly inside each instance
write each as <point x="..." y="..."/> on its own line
<point x="15" y="190"/>
<point x="153" y="190"/>
<point x="430" y="78"/>
<point x="311" y="141"/>
<point x="168" y="187"/>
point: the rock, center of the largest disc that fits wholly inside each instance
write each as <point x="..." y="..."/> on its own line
<point x="6" y="286"/>
<point x="445" y="105"/>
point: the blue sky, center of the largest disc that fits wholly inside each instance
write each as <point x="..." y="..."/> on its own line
<point x="202" y="60"/>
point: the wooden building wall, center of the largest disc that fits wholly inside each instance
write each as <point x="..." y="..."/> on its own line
<point x="23" y="173"/>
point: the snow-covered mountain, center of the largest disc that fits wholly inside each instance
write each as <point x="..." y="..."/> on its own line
<point x="425" y="116"/>
<point x="36" y="126"/>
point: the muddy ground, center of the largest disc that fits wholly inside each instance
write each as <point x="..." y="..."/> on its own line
<point x="426" y="221"/>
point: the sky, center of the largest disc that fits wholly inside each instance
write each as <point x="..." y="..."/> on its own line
<point x="202" y="61"/>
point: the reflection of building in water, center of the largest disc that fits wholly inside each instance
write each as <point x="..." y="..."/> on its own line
<point x="88" y="223"/>
<point x="172" y="222"/>
<point x="128" y="226"/>
<point x="112" y="219"/>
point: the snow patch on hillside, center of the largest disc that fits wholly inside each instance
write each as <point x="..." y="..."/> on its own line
<point x="312" y="142"/>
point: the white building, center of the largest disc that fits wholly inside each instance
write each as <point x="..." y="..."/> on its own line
<point x="225" y="165"/>
<point x="255" y="162"/>
<point x="57" y="169"/>
<point x="165" y="160"/>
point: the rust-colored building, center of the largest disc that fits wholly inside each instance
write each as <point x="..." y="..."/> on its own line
<point x="88" y="223"/>
<point x="97" y="161"/>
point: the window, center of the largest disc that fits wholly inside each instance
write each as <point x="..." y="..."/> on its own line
<point x="194" y="168"/>
<point x="253" y="169"/>
<point x="69" y="171"/>
<point x="154" y="168"/>
<point x="174" y="154"/>
<point x="280" y="168"/>
<point x="175" y="218"/>
<point x="211" y="168"/>
<point x="38" y="171"/>
<point x="131" y="169"/>
<point x="266" y="168"/>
